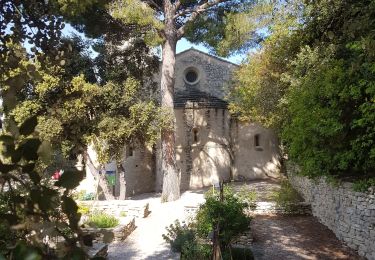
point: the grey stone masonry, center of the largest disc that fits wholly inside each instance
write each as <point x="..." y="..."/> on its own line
<point x="349" y="214"/>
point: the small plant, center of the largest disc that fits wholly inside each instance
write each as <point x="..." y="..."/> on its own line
<point x="196" y="250"/>
<point x="228" y="214"/>
<point x="84" y="210"/>
<point x="123" y="214"/>
<point x="248" y="196"/>
<point x="102" y="220"/>
<point x="363" y="185"/>
<point x="178" y="234"/>
<point x="83" y="195"/>
<point x="238" y="254"/>
<point x="286" y="196"/>
<point x="333" y="180"/>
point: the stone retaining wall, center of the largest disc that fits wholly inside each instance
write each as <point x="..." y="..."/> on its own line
<point x="350" y="215"/>
<point x="117" y="207"/>
<point x="116" y="234"/>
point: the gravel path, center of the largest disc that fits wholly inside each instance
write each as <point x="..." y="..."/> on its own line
<point x="276" y="237"/>
<point x="146" y="241"/>
<point x="294" y="238"/>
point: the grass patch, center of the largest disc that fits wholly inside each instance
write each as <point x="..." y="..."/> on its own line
<point x="286" y="195"/>
<point x="102" y="220"/>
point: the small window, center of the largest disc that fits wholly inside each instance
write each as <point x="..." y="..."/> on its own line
<point x="257" y="141"/>
<point x="130" y="152"/>
<point x="195" y="135"/>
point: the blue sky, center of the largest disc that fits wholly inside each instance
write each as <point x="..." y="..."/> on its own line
<point x="182" y="45"/>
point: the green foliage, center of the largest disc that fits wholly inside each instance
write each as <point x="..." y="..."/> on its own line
<point x="32" y="208"/>
<point x="195" y="250"/>
<point x="123" y="214"/>
<point x="314" y="82"/>
<point x="83" y="195"/>
<point x="247" y="196"/>
<point x="183" y="239"/>
<point x="84" y="210"/>
<point x="239" y="253"/>
<point x="191" y="239"/>
<point x="178" y="235"/>
<point x="363" y="185"/>
<point x="228" y="214"/>
<point x="286" y="196"/>
<point x="102" y="220"/>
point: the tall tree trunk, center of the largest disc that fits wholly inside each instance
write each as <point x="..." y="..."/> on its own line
<point x="103" y="182"/>
<point x="171" y="178"/>
<point x="122" y="181"/>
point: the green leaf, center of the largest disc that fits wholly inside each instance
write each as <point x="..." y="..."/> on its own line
<point x="70" y="179"/>
<point x="28" y="126"/>
<point x="30" y="148"/>
<point x="34" y="176"/>
<point x="5" y="168"/>
<point x="7" y="139"/>
<point x="70" y="208"/>
<point x="24" y="252"/>
<point x="76" y="254"/>
<point x="16" y="156"/>
<point x="28" y="167"/>
<point x="11" y="218"/>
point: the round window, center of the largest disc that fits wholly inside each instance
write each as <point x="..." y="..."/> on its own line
<point x="191" y="76"/>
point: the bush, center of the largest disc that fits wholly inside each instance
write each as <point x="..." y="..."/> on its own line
<point x="84" y="210"/>
<point x="238" y="254"/>
<point x="183" y="239"/>
<point x="196" y="250"/>
<point x="248" y="196"/>
<point x="102" y="220"/>
<point x="286" y="196"/>
<point x="228" y="214"/>
<point x="83" y="195"/>
<point x="179" y="234"/>
<point x="363" y="185"/>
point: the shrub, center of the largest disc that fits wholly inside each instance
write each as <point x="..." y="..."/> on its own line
<point x="363" y="185"/>
<point x="286" y="196"/>
<point x="228" y="214"/>
<point x="196" y="250"/>
<point x="84" y="210"/>
<point x="83" y="195"/>
<point x="238" y="254"/>
<point x="102" y="220"/>
<point x="248" y="196"/>
<point x="178" y="234"/>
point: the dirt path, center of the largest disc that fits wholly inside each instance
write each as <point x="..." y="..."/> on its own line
<point x="295" y="237"/>
<point x="275" y="237"/>
<point x="146" y="242"/>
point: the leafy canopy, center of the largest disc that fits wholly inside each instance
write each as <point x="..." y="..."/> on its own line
<point x="314" y="81"/>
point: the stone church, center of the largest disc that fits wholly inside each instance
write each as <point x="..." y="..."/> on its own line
<point x="210" y="144"/>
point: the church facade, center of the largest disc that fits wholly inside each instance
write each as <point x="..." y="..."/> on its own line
<point x="211" y="145"/>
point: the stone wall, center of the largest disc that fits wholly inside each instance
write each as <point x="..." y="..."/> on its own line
<point x="350" y="215"/>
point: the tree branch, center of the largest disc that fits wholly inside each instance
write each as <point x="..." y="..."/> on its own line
<point x="195" y="13"/>
<point x="153" y="4"/>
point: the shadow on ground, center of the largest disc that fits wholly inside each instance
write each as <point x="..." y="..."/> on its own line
<point x="295" y="237"/>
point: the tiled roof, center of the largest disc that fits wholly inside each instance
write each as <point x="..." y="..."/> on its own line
<point x="201" y="98"/>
